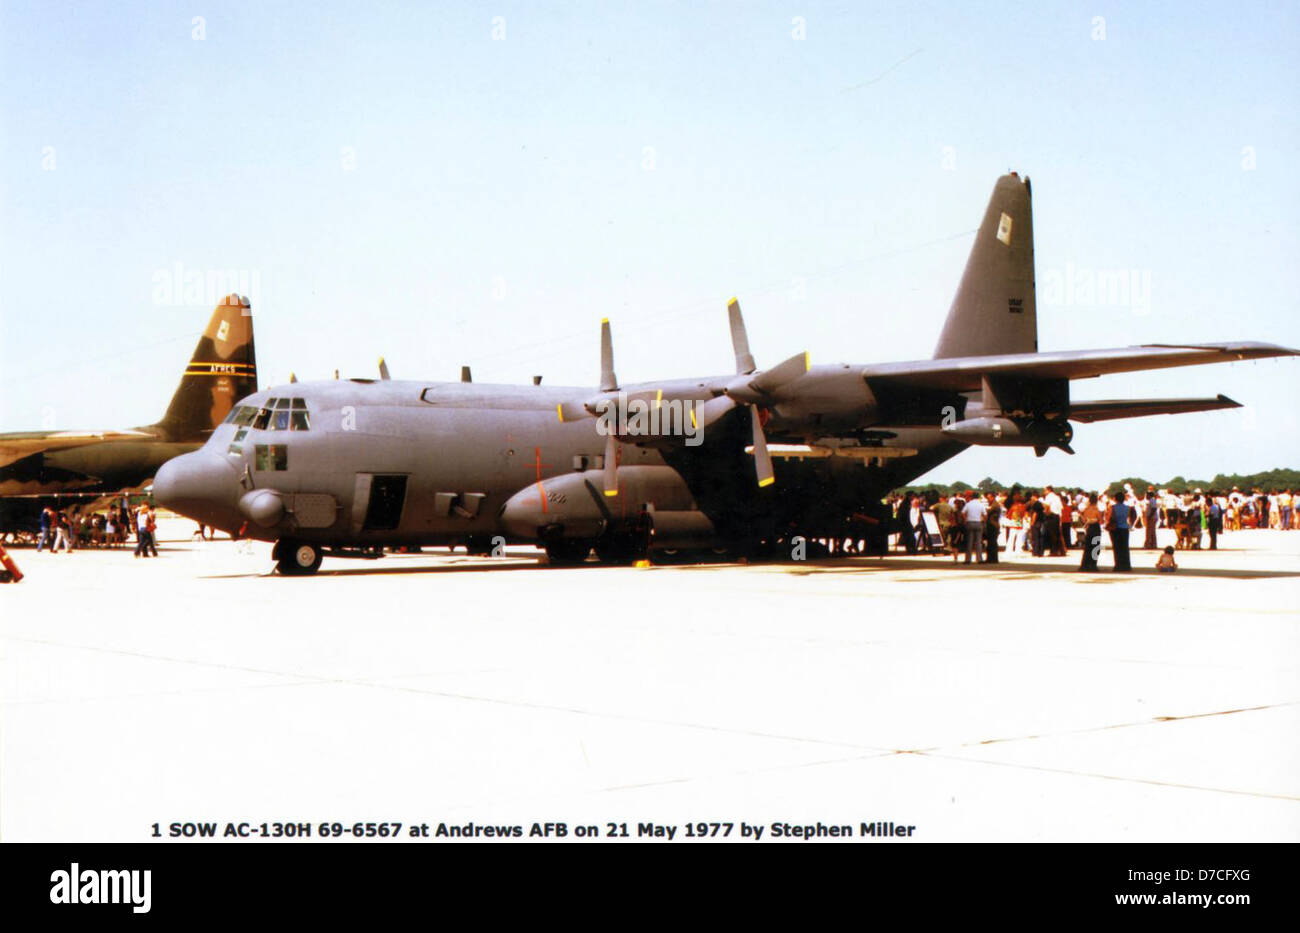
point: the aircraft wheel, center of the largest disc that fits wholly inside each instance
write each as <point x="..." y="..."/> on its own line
<point x="620" y="549"/>
<point x="567" y="552"/>
<point x="296" y="559"/>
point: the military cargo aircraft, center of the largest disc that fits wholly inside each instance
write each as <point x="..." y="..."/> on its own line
<point x="740" y="463"/>
<point x="40" y="468"/>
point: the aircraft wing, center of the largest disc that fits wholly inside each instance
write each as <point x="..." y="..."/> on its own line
<point x="1141" y="407"/>
<point x="24" y="444"/>
<point x="964" y="374"/>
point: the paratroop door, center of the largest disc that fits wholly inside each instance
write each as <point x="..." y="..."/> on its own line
<point x="382" y="497"/>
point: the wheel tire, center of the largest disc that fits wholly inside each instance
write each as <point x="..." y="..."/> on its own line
<point x="567" y="552"/>
<point x="297" y="559"/>
<point x="620" y="549"/>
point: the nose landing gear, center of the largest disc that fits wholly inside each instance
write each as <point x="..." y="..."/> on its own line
<point x="296" y="558"/>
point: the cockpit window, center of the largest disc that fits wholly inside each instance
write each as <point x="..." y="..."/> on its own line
<point x="288" y="415"/>
<point x="236" y="449"/>
<point x="241" y="415"/>
<point x="276" y="414"/>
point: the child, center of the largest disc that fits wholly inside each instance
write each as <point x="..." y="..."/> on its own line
<point x="1166" y="563"/>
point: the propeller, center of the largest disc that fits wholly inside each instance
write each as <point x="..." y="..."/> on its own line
<point x="608" y="383"/>
<point x="604" y="406"/>
<point x="597" y="405"/>
<point x="753" y="390"/>
<point x="383" y="369"/>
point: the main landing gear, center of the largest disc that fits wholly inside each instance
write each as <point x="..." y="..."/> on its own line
<point x="567" y="552"/>
<point x="296" y="558"/>
<point x="618" y="549"/>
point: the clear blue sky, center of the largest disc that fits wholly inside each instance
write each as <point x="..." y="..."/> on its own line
<point x="396" y="181"/>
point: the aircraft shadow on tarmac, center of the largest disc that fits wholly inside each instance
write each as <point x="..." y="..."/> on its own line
<point x="1010" y="570"/>
<point x="852" y="565"/>
<point x="380" y="569"/>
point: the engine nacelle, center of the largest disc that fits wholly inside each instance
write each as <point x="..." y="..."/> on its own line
<point x="574" y="505"/>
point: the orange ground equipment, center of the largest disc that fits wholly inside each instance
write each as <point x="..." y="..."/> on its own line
<point x="10" y="573"/>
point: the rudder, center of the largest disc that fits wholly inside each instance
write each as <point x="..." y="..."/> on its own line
<point x="994" y="311"/>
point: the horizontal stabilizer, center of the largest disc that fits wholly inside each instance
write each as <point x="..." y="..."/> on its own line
<point x="965" y="374"/>
<point x="817" y="452"/>
<point x="1141" y="407"/>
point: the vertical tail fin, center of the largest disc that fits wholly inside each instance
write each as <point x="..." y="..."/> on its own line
<point x="222" y="370"/>
<point x="993" y="311"/>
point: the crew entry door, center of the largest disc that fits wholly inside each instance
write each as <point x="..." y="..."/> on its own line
<point x="377" y="501"/>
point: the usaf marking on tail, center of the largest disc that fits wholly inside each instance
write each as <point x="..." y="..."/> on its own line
<point x="798" y="450"/>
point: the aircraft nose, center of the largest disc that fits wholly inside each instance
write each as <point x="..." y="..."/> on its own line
<point x="198" y="485"/>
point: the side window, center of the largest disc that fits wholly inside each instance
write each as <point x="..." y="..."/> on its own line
<point x="236" y="449"/>
<point x="300" y="422"/>
<point x="270" y="457"/>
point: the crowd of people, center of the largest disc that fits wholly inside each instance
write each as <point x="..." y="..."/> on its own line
<point x="64" y="531"/>
<point x="1049" y="522"/>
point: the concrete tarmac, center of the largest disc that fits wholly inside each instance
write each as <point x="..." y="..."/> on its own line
<point x="1024" y="701"/>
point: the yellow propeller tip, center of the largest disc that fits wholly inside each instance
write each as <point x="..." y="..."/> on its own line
<point x="611" y="492"/>
<point x="767" y="482"/>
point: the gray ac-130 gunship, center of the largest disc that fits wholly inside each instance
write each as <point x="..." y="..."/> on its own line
<point x="738" y="462"/>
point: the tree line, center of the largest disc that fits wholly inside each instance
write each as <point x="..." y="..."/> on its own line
<point x="1267" y="481"/>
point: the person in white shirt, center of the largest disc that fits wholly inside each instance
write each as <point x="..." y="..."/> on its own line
<point x="973" y="514"/>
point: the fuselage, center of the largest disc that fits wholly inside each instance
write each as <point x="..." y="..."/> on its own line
<point x="361" y="463"/>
